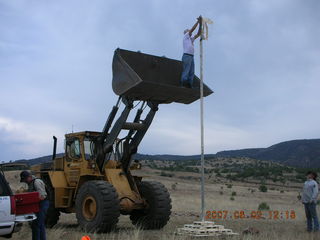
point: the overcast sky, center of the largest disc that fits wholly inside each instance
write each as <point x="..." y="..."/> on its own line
<point x="261" y="59"/>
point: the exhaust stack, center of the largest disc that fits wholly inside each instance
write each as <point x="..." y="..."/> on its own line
<point x="54" y="147"/>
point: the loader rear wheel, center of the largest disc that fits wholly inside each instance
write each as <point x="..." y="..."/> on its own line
<point x="97" y="206"/>
<point x="53" y="214"/>
<point x="158" y="210"/>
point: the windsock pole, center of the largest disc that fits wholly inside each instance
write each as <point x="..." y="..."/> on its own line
<point x="202" y="129"/>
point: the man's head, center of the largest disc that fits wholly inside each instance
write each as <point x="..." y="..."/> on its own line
<point x="185" y="31"/>
<point x="25" y="176"/>
<point x="312" y="175"/>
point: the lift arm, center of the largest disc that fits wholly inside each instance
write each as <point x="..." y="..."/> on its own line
<point x="137" y="130"/>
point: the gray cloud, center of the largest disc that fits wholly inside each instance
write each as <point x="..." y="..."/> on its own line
<point x="262" y="60"/>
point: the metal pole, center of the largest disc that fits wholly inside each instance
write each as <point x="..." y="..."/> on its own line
<point x="202" y="130"/>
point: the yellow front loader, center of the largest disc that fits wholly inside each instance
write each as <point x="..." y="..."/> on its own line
<point x="93" y="178"/>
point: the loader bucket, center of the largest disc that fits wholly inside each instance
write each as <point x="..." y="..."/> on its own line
<point x="140" y="76"/>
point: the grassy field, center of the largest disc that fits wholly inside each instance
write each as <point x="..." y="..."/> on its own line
<point x="186" y="207"/>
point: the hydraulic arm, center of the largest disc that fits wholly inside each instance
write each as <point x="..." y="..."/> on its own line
<point x="136" y="131"/>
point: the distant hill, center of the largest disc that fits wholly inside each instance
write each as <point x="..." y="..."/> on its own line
<point x="139" y="156"/>
<point x="38" y="160"/>
<point x="221" y="169"/>
<point x="299" y="153"/>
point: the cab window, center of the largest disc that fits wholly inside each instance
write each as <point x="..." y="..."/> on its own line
<point x="73" y="149"/>
<point x="88" y="149"/>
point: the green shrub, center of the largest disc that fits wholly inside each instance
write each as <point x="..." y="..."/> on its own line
<point x="263" y="188"/>
<point x="164" y="174"/>
<point x="232" y="198"/>
<point x="229" y="185"/>
<point x="221" y="193"/>
<point x="281" y="191"/>
<point x="263" y="206"/>
<point x="233" y="194"/>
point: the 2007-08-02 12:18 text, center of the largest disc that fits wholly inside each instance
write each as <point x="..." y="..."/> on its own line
<point x="251" y="214"/>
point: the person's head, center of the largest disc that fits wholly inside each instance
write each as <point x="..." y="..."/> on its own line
<point x="25" y="176"/>
<point x="185" y="31"/>
<point x="312" y="175"/>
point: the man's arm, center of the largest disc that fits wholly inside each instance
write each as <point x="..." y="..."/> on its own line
<point x="193" y="28"/>
<point x="199" y="29"/>
<point x="39" y="185"/>
<point x="315" y="193"/>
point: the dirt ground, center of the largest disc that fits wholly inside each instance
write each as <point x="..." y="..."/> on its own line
<point x="186" y="208"/>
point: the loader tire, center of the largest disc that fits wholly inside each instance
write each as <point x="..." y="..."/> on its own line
<point x="97" y="207"/>
<point x="158" y="210"/>
<point x="53" y="214"/>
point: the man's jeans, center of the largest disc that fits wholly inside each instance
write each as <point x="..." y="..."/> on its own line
<point x="187" y="70"/>
<point x="38" y="225"/>
<point x="312" y="218"/>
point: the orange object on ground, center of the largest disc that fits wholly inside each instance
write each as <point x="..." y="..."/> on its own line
<point x="85" y="238"/>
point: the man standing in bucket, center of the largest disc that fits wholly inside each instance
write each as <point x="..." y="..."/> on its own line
<point x="309" y="199"/>
<point x="37" y="185"/>
<point x="188" y="52"/>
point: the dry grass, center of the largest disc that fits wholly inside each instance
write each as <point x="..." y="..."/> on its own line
<point x="186" y="205"/>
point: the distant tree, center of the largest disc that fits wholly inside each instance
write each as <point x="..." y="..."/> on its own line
<point x="263" y="206"/>
<point x="164" y="174"/>
<point x="263" y="188"/>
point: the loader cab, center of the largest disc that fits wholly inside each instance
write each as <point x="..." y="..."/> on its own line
<point x="80" y="146"/>
<point x="79" y="159"/>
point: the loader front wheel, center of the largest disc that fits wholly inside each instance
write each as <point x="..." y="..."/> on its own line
<point x="97" y="206"/>
<point x="158" y="209"/>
